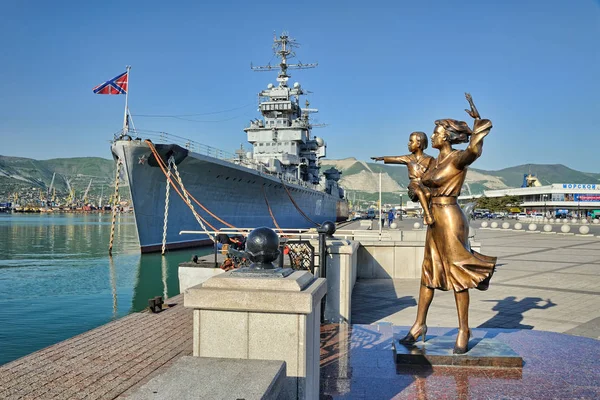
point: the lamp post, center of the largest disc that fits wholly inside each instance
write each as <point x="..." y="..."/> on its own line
<point x="545" y="196"/>
<point x="400" y="206"/>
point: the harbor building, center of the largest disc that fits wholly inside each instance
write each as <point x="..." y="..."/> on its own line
<point x="558" y="199"/>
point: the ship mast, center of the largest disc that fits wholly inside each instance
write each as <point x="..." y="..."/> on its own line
<point x="283" y="48"/>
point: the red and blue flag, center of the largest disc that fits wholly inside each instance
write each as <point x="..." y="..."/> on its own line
<point x="117" y="85"/>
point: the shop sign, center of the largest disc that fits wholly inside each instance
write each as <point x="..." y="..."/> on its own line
<point x="586" y="197"/>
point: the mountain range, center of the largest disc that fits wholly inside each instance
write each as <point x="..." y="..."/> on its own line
<point x="359" y="178"/>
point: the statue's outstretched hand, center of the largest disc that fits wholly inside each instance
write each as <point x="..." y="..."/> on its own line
<point x="473" y="111"/>
<point x="377" y="158"/>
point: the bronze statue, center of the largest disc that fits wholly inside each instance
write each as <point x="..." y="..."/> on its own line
<point x="417" y="163"/>
<point x="449" y="263"/>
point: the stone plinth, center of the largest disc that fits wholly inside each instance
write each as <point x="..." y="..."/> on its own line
<point x="215" y="378"/>
<point x="386" y="259"/>
<point x="341" y="276"/>
<point x="438" y="351"/>
<point x="257" y="317"/>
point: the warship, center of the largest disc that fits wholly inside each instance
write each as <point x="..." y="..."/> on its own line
<point x="277" y="183"/>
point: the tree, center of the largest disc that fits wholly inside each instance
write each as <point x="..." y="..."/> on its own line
<point x="503" y="203"/>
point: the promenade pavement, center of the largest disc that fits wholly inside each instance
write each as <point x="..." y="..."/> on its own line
<point x="547" y="282"/>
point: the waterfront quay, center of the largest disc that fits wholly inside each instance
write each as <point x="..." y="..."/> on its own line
<point x="543" y="302"/>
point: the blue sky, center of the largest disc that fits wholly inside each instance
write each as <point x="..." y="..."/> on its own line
<point x="385" y="69"/>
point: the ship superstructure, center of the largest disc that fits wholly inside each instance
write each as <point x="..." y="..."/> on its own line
<point x="278" y="180"/>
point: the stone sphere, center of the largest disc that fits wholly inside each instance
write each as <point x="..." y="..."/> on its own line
<point x="505" y="225"/>
<point x="518" y="226"/>
<point x="394" y="225"/>
<point x="327" y="228"/>
<point x="547" y="228"/>
<point x="417" y="225"/>
<point x="574" y="220"/>
<point x="262" y="247"/>
<point x="584" y="229"/>
<point x="494" y="225"/>
<point x="532" y="227"/>
<point x="565" y="228"/>
<point x="596" y="221"/>
<point x="551" y="220"/>
<point x="584" y="221"/>
<point x="484" y="224"/>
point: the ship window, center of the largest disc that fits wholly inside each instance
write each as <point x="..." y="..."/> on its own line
<point x="260" y="144"/>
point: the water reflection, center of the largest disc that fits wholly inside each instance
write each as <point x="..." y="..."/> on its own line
<point x="58" y="280"/>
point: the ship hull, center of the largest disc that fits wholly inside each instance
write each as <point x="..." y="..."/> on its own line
<point x="234" y="193"/>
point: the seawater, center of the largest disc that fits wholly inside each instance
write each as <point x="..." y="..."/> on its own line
<point x="57" y="280"/>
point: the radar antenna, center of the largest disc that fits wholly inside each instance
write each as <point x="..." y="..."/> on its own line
<point x="283" y="48"/>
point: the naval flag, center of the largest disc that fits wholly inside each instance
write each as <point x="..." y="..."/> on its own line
<point x="117" y="85"/>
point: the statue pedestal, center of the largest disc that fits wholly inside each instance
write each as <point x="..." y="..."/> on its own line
<point x="261" y="317"/>
<point x="437" y="350"/>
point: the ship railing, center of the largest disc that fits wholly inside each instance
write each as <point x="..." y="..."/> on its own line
<point x="196" y="147"/>
<point x="203" y="149"/>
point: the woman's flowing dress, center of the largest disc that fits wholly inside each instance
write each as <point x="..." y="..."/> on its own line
<point x="449" y="263"/>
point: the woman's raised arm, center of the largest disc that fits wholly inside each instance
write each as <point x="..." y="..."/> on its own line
<point x="480" y="130"/>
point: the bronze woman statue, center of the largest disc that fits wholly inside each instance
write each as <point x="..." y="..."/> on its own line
<point x="449" y="263"/>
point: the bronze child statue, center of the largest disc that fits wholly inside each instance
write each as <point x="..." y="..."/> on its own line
<point x="417" y="163"/>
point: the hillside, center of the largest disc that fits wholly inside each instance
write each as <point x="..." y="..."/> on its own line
<point x="359" y="178"/>
<point x="27" y="176"/>
<point x="363" y="177"/>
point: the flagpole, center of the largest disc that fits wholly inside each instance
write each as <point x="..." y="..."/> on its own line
<point x="125" y="124"/>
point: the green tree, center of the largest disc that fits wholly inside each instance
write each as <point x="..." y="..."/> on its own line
<point x="504" y="203"/>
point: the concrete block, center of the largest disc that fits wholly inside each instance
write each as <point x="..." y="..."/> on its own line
<point x="211" y="378"/>
<point x="192" y="276"/>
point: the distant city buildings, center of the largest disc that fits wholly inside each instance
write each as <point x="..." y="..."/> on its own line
<point x="557" y="199"/>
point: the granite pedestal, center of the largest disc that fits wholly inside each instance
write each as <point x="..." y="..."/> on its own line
<point x="438" y="350"/>
<point x="253" y="316"/>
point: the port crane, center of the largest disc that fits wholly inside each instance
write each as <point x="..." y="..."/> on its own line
<point x="85" y="195"/>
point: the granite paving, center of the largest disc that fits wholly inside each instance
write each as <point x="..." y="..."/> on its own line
<point x="542" y="282"/>
<point x="105" y="362"/>
<point x="543" y="302"/>
<point x="357" y="362"/>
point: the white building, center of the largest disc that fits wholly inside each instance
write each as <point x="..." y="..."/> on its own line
<point x="576" y="198"/>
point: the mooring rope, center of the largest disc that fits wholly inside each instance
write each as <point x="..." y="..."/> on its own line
<point x="187" y="201"/>
<point x="114" y="208"/>
<point x="166" y="219"/>
<point x="269" y="207"/>
<point x="161" y="162"/>
<point x="296" y="205"/>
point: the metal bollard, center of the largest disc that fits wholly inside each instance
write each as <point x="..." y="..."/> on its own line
<point x="326" y="230"/>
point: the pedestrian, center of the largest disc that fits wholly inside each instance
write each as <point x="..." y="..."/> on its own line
<point x="390" y="217"/>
